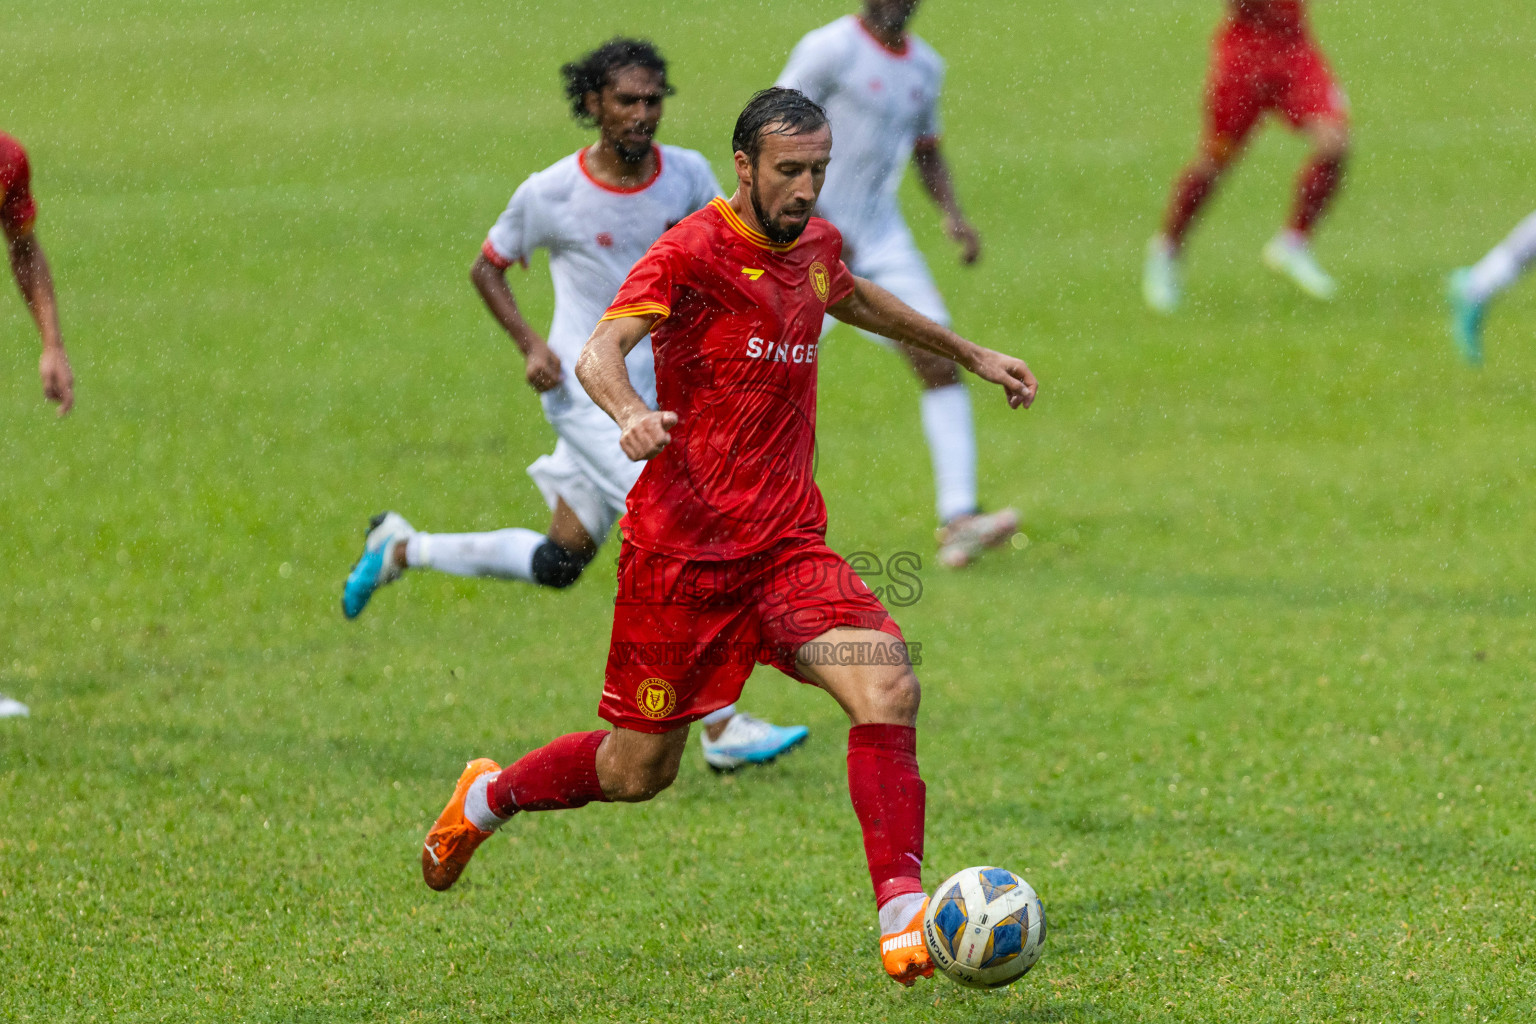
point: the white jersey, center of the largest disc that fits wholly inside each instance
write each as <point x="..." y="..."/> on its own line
<point x="595" y="233"/>
<point x="880" y="103"/>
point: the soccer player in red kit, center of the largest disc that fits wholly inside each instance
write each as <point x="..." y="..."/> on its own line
<point x="1264" y="58"/>
<point x="18" y="213"/>
<point x="724" y="562"/>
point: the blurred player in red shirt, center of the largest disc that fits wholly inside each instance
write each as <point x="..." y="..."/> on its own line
<point x="18" y="213"/>
<point x="725" y="562"/>
<point x="1264" y="58"/>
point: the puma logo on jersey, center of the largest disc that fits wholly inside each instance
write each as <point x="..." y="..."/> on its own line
<point x="752" y="273"/>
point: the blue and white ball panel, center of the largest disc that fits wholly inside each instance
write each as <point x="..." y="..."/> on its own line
<point x="985" y="927"/>
<point x="996" y="881"/>
<point x="949" y="919"/>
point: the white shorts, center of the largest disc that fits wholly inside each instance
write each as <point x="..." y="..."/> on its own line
<point x="892" y="261"/>
<point x="587" y="469"/>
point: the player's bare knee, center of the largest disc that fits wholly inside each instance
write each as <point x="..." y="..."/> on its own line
<point x="642" y="785"/>
<point x="942" y="375"/>
<point x="933" y="370"/>
<point x="633" y="767"/>
<point x="1214" y="158"/>
<point x="894" y="697"/>
<point x="1330" y="139"/>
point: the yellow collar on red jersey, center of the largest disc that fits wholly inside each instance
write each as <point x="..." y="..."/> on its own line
<point x="752" y="235"/>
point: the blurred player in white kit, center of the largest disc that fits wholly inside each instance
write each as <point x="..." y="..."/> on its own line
<point x="880" y="87"/>
<point x="596" y="211"/>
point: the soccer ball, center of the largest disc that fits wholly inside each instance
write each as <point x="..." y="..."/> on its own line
<point x="984" y="927"/>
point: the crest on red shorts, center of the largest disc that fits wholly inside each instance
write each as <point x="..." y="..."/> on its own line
<point x="820" y="280"/>
<point x="656" y="698"/>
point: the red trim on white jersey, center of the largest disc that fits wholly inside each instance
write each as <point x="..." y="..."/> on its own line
<point x="901" y="54"/>
<point x="495" y="258"/>
<point x="581" y="161"/>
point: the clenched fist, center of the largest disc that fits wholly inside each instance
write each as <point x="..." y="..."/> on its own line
<point x="543" y="368"/>
<point x="646" y="434"/>
<point x="58" y="379"/>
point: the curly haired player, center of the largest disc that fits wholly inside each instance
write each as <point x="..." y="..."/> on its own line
<point x="596" y="211"/>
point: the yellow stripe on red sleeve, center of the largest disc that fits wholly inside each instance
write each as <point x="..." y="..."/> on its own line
<point x="655" y="309"/>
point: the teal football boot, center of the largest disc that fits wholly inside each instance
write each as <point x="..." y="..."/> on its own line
<point x="1466" y="318"/>
<point x="376" y="566"/>
<point x="747" y="740"/>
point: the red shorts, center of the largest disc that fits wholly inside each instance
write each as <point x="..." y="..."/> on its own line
<point x="687" y="633"/>
<point x="1253" y="71"/>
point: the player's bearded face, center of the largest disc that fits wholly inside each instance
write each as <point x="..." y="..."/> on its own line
<point x="629" y="111"/>
<point x="786" y="180"/>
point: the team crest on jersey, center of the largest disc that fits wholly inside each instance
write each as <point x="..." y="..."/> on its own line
<point x="605" y="240"/>
<point x="820" y="280"/>
<point x="656" y="698"/>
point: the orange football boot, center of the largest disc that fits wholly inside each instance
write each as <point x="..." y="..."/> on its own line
<point x="904" y="952"/>
<point x="453" y="839"/>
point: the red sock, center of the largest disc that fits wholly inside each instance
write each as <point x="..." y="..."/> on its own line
<point x="1189" y="194"/>
<point x="889" y="797"/>
<point x="1315" y="187"/>
<point x="557" y="776"/>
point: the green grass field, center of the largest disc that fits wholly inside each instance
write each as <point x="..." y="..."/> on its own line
<point x="1252" y="711"/>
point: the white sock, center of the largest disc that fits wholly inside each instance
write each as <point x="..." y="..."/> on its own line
<point x="716" y="717"/>
<point x="899" y="911"/>
<point x="952" y="444"/>
<point x="1504" y="264"/>
<point x="503" y="554"/>
<point x="477" y="808"/>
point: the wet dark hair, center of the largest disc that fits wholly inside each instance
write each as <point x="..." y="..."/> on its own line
<point x="592" y="72"/>
<point x="788" y="111"/>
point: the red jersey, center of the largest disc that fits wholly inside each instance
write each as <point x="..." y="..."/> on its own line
<point x="736" y="360"/>
<point x="1282" y="17"/>
<point x="17" y="208"/>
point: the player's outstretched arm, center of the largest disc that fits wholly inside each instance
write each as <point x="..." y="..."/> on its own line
<point x="601" y="370"/>
<point x="35" y="279"/>
<point x="874" y="309"/>
<point x="933" y="170"/>
<point x="541" y="365"/>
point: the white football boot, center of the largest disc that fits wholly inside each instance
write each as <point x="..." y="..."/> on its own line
<point x="1289" y="255"/>
<point x="1160" y="275"/>
<point x="10" y="707"/>
<point x="963" y="538"/>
